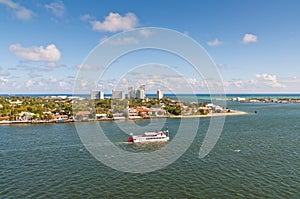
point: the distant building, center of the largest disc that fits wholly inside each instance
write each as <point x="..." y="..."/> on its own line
<point x="118" y="95"/>
<point x="97" y="95"/>
<point x="25" y="116"/>
<point x="131" y="93"/>
<point x="143" y="91"/>
<point x="140" y="94"/>
<point x="160" y="94"/>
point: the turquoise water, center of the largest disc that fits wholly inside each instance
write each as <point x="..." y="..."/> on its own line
<point x="257" y="156"/>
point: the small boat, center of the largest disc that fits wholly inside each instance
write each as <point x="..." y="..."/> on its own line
<point x="160" y="136"/>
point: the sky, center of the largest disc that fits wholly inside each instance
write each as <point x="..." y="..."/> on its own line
<point x="254" y="44"/>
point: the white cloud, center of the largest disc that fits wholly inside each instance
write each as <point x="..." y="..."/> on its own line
<point x="20" y="11"/>
<point x="51" y="64"/>
<point x="115" y="22"/>
<point x="238" y="83"/>
<point x="146" y="33"/>
<point x="88" y="67"/>
<point x="3" y="80"/>
<point x="49" y="53"/>
<point x="64" y="85"/>
<point x="270" y="80"/>
<point x="84" y="83"/>
<point x="249" y="38"/>
<point x="85" y="67"/>
<point x="29" y="83"/>
<point x="121" y="41"/>
<point x="215" y="42"/>
<point x="86" y="17"/>
<point x="57" y="8"/>
<point x="52" y="80"/>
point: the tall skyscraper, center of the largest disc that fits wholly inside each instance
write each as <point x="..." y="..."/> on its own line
<point x="160" y="94"/>
<point x="131" y="92"/>
<point x="97" y="94"/>
<point x="118" y="95"/>
<point x="143" y="91"/>
<point x="140" y="94"/>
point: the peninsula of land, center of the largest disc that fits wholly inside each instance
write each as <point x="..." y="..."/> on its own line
<point x="62" y="109"/>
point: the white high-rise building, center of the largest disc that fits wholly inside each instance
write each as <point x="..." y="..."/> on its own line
<point x="131" y="93"/>
<point x="118" y="95"/>
<point x="160" y="94"/>
<point x="143" y="91"/>
<point x="97" y="94"/>
<point x="140" y="94"/>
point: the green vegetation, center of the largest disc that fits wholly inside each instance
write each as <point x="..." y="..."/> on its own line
<point x="42" y="107"/>
<point x="46" y="108"/>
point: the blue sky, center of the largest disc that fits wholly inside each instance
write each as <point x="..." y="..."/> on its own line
<point x="255" y="44"/>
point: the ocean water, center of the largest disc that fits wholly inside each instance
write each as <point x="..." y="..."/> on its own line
<point x="257" y="156"/>
<point x="184" y="96"/>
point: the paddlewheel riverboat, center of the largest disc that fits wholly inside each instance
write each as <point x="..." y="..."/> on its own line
<point x="160" y="136"/>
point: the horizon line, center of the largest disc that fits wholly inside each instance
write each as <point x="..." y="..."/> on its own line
<point x="246" y="93"/>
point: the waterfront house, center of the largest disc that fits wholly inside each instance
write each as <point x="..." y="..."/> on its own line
<point x="119" y="116"/>
<point x="61" y="117"/>
<point x="158" y="112"/>
<point x="101" y="116"/>
<point x="25" y="116"/>
<point x="83" y="115"/>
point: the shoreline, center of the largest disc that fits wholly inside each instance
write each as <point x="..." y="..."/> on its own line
<point x="233" y="112"/>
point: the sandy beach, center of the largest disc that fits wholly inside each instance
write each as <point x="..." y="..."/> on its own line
<point x="232" y="112"/>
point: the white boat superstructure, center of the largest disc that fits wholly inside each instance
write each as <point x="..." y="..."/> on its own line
<point x="160" y="136"/>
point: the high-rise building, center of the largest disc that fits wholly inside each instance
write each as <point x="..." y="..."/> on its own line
<point x="118" y="95"/>
<point x="143" y="91"/>
<point x="97" y="94"/>
<point x="160" y="94"/>
<point x="131" y="92"/>
<point x="140" y="94"/>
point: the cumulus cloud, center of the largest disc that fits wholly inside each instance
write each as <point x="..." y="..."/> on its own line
<point x="20" y="11"/>
<point x="57" y="8"/>
<point x="215" y="42"/>
<point x="249" y="38"/>
<point x="48" y="54"/>
<point x="270" y="80"/>
<point x="115" y="22"/>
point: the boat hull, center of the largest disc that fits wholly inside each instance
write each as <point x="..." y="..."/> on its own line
<point x="149" y="137"/>
<point x="146" y="140"/>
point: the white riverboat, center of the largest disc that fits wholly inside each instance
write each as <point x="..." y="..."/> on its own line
<point x="160" y="136"/>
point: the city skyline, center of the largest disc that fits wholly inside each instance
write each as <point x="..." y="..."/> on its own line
<point x="132" y="93"/>
<point x="254" y="44"/>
